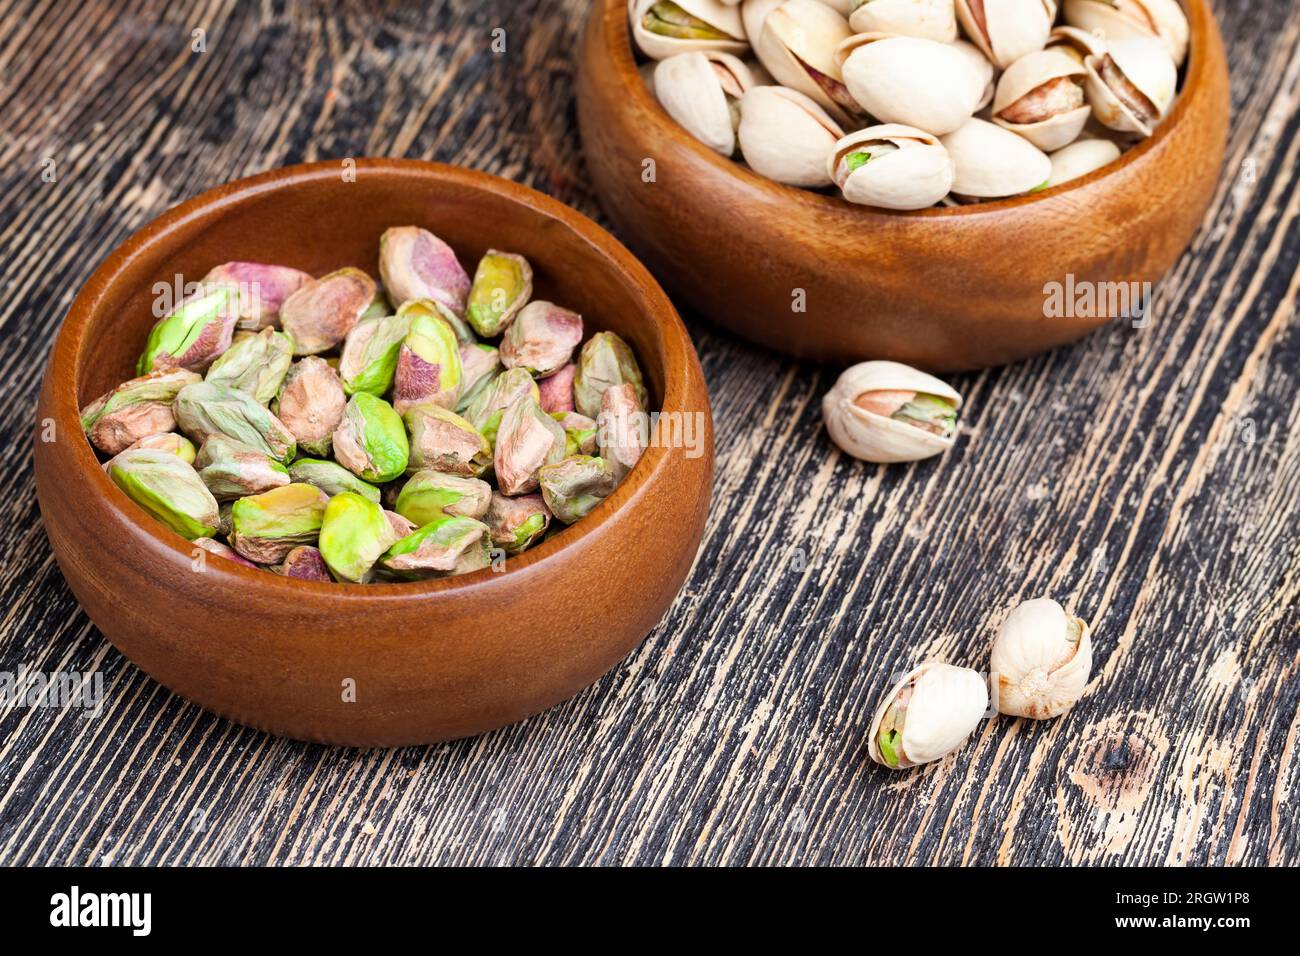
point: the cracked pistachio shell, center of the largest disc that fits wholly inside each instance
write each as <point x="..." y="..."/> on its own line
<point x="436" y="549"/>
<point x="204" y="410"/>
<point x="1040" y="97"/>
<point x="331" y="478"/>
<point x="579" y="432"/>
<point x="369" y="359"/>
<point x="213" y="546"/>
<point x="891" y="167"/>
<point x="541" y="339"/>
<point x="503" y="284"/>
<point x="1041" y="659"/>
<point x="1132" y="86"/>
<point x="168" y="488"/>
<point x="305" y="563"/>
<point x="1077" y="44"/>
<point x="573" y="487"/>
<point x="266" y="527"/>
<point x="1080" y="158"/>
<point x="661" y="28"/>
<point x="443" y="441"/>
<point x="931" y="712"/>
<point x="256" y="363"/>
<point x="623" y="429"/>
<point x="910" y="81"/>
<point x="753" y="14"/>
<point x="702" y="91"/>
<point x="1005" y="30"/>
<point x="485" y="412"/>
<point x="555" y="392"/>
<point x="479" y="366"/>
<point x="233" y="470"/>
<point x="354" y="533"/>
<point x="428" y="362"/>
<point x="416" y="264"/>
<point x="785" y="136"/>
<point x="321" y="313"/>
<point x="194" y="333"/>
<point x="992" y="162"/>
<point x="797" y="46"/>
<point x="604" y="361"/>
<point x="516" y="524"/>
<point x="134" y="410"/>
<point x="262" y="289"/>
<point x="170" y="442"/>
<point x="430" y="494"/>
<point x="311" y="404"/>
<point x="1126" y="19"/>
<point x="886" y="412"/>
<point x="928" y="19"/>
<point x="527" y="440"/>
<point x="371" y="439"/>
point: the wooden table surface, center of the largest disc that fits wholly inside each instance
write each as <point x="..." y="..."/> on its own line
<point x="1148" y="478"/>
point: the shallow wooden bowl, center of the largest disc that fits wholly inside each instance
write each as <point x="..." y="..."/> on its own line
<point x="945" y="289"/>
<point x="429" y="661"/>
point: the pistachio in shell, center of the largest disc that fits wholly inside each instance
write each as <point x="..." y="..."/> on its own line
<point x="167" y="488"/>
<point x="662" y="28"/>
<point x="785" y="136"/>
<point x="887" y="412"/>
<point x="927" y="715"/>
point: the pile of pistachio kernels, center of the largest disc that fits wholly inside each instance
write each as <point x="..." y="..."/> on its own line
<point x="335" y="429"/>
<point x="889" y="102"/>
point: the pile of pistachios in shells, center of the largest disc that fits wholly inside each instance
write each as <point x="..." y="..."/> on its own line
<point x="885" y="101"/>
<point x="1039" y="669"/>
<point x="334" y="428"/>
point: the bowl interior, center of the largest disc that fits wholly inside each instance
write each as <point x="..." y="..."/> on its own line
<point x="314" y="218"/>
<point x="625" y="56"/>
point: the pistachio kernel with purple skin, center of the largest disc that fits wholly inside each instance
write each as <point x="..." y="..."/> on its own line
<point x="516" y="524"/>
<point x="233" y="470"/>
<point x="134" y="410"/>
<point x="213" y="546"/>
<point x="170" y="442"/>
<point x="428" y="362"/>
<point x="623" y="429"/>
<point x="311" y="404"/>
<point x="527" y="440"/>
<point x="416" y="264"/>
<point x="485" y="412"/>
<point x="167" y="488"/>
<point x="605" y="360"/>
<point x="369" y="359"/>
<point x="371" y="439"/>
<point x="266" y="527"/>
<point x="262" y="289"/>
<point x="574" y="486"/>
<point x="435" y="549"/>
<point x="321" y="314"/>
<point x="503" y="284"/>
<point x="193" y="334"/>
<point x="305" y="563"/>
<point x="479" y="366"/>
<point x="541" y="339"/>
<point x="430" y="494"/>
<point x="354" y="533"/>
<point x="580" y="433"/>
<point x="204" y="410"/>
<point x="556" y="391"/>
<point x="443" y="441"/>
<point x="256" y="363"/>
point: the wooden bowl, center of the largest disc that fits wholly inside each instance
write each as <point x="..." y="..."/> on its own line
<point x="944" y="289"/>
<point x="424" y="662"/>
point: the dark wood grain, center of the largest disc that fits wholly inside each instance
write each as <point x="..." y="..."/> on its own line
<point x="1146" y="477"/>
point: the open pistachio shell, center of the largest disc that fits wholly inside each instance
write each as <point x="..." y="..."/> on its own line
<point x="797" y="46"/>
<point x="1040" y="661"/>
<point x="891" y="167"/>
<point x="928" y="19"/>
<point x="927" y="715"/>
<point x="428" y="362"/>
<point x="1132" y="85"/>
<point x="256" y="363"/>
<point x="503" y="284"/>
<point x="354" y="533"/>
<point x="1077" y="44"/>
<point x="661" y="28"/>
<point x="266" y="527"/>
<point x="753" y="14"/>
<point x="992" y="162"/>
<point x="429" y="494"/>
<point x="369" y="359"/>
<point x="887" y="412"/>
<point x="911" y="81"/>
<point x="205" y="409"/>
<point x="311" y="404"/>
<point x="193" y="334"/>
<point x="371" y="439"/>
<point x="1125" y="19"/>
<point x="168" y="488"/>
<point x="416" y="264"/>
<point x="1080" y="158"/>
<point x="541" y="339"/>
<point x="321" y="313"/>
<point x="1005" y="30"/>
<point x="1040" y="97"/>
<point x="785" y="136"/>
<point x="262" y="289"/>
<point x="702" y="92"/>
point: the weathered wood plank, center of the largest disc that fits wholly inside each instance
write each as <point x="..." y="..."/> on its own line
<point x="1146" y="477"/>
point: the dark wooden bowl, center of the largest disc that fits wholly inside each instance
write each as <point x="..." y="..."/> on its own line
<point x="429" y="661"/>
<point x="944" y="289"/>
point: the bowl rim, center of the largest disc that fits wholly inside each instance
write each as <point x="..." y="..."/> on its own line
<point x="61" y="371"/>
<point x="620" y="46"/>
